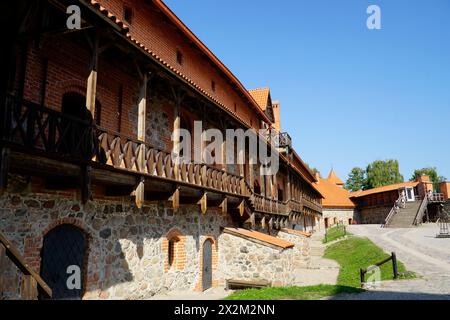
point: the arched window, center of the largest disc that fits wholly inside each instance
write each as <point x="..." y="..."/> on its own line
<point x="173" y="246"/>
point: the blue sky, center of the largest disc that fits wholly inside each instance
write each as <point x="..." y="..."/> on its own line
<point x="348" y="95"/>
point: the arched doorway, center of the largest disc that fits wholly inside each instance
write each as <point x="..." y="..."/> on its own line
<point x="62" y="261"/>
<point x="77" y="136"/>
<point x="207" y="265"/>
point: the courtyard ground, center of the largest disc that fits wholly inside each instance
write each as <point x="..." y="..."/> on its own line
<point x="421" y="252"/>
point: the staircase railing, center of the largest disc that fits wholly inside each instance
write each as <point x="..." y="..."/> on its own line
<point x="393" y="211"/>
<point x="419" y="216"/>
<point x="30" y="279"/>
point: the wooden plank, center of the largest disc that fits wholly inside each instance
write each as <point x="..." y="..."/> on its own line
<point x="13" y="253"/>
<point x="4" y="168"/>
<point x="242" y="208"/>
<point x="29" y="288"/>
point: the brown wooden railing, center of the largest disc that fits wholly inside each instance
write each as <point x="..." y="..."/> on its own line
<point x="312" y="205"/>
<point x="267" y="205"/>
<point x="123" y="152"/>
<point x="35" y="127"/>
<point x="31" y="281"/>
<point x="295" y="205"/>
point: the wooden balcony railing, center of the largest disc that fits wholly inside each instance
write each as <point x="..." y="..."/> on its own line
<point x="122" y="152"/>
<point x="312" y="205"/>
<point x="295" y="205"/>
<point x="32" y="126"/>
<point x="267" y="205"/>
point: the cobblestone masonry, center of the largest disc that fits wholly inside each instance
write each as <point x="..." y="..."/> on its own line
<point x="242" y="259"/>
<point x="127" y="248"/>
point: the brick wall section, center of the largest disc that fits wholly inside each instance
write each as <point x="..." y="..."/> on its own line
<point x="149" y="28"/>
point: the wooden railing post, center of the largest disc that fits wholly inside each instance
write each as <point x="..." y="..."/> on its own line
<point x="2" y="268"/>
<point x="394" y="265"/>
<point x="29" y="288"/>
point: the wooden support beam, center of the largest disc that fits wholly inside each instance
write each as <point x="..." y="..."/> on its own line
<point x="175" y="198"/>
<point x="242" y="208"/>
<point x="203" y="203"/>
<point x="253" y="220"/>
<point x="224" y="205"/>
<point x="271" y="223"/>
<point x="139" y="192"/>
<point x="4" y="168"/>
<point x="263" y="222"/>
<point x="178" y="97"/>
<point x="91" y="87"/>
<point x="86" y="183"/>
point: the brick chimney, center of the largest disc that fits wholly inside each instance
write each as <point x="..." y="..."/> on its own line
<point x="276" y="115"/>
<point x="425" y="185"/>
<point x="444" y="188"/>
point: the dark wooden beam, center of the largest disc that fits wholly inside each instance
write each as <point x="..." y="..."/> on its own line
<point x="4" y="168"/>
<point x="86" y="184"/>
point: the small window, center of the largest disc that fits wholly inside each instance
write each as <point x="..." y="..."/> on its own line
<point x="213" y="86"/>
<point x="172" y="251"/>
<point x="179" y="57"/>
<point x="127" y="14"/>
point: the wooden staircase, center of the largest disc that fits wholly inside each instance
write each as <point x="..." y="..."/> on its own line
<point x="406" y="217"/>
<point x="31" y="280"/>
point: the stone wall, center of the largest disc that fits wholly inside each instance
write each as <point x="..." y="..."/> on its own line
<point x="125" y="258"/>
<point x="374" y="215"/>
<point x="337" y="216"/>
<point x="127" y="250"/>
<point x="243" y="259"/>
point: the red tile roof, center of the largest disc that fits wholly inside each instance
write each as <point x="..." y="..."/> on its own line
<point x="261" y="97"/>
<point x="391" y="187"/>
<point x="259" y="236"/>
<point x="335" y="196"/>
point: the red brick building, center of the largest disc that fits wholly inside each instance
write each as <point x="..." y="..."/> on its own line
<point x="86" y="169"/>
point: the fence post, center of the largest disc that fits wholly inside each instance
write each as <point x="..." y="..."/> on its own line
<point x="361" y="276"/>
<point x="394" y="265"/>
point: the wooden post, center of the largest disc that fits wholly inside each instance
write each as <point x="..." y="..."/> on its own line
<point x="242" y="208"/>
<point x="91" y="87"/>
<point x="29" y="288"/>
<point x="2" y="268"/>
<point x="394" y="265"/>
<point x="361" y="276"/>
<point x="86" y="193"/>
<point x="288" y="187"/>
<point x="4" y="168"/>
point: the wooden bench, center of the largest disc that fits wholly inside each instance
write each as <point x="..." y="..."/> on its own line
<point x="243" y="284"/>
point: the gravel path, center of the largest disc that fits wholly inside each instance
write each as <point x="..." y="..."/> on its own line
<point x="421" y="252"/>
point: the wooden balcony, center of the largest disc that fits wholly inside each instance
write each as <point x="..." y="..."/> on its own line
<point x="262" y="204"/>
<point x="48" y="142"/>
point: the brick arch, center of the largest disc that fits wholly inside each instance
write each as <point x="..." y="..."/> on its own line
<point x="215" y="260"/>
<point x="34" y="245"/>
<point x="179" y="262"/>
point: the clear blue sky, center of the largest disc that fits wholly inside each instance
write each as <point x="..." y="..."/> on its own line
<point x="348" y="95"/>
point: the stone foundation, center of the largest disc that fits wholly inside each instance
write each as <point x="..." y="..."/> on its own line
<point x="127" y="248"/>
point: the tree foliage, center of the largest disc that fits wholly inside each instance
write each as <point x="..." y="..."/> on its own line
<point x="356" y="179"/>
<point x="432" y="173"/>
<point x="382" y="173"/>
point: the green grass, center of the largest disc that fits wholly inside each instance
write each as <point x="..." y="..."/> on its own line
<point x="351" y="254"/>
<point x="291" y="293"/>
<point x="334" y="233"/>
<point x="355" y="253"/>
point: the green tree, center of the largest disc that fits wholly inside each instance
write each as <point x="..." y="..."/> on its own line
<point x="356" y="179"/>
<point x="432" y="173"/>
<point x="382" y="173"/>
